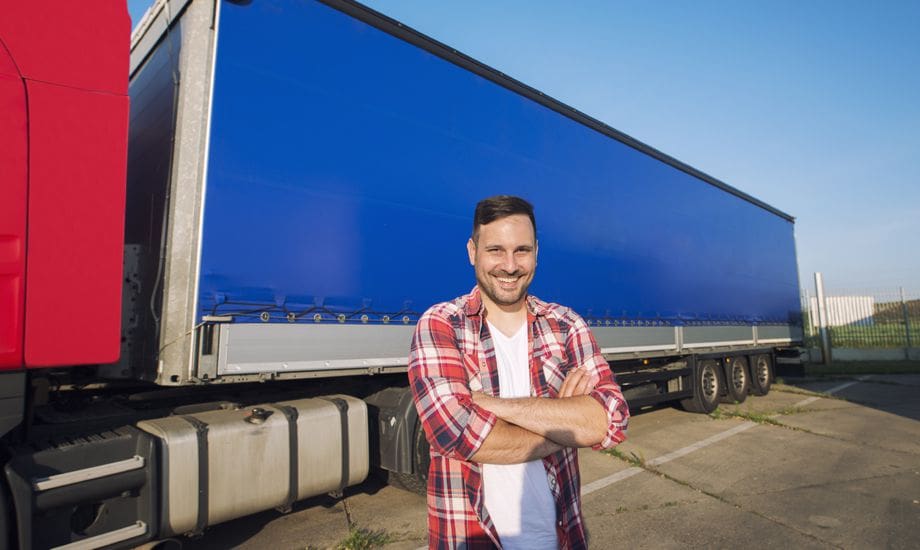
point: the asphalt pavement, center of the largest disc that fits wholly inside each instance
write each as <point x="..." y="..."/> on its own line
<point x="798" y="468"/>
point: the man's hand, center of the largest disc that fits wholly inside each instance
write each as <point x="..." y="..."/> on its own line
<point x="577" y="382"/>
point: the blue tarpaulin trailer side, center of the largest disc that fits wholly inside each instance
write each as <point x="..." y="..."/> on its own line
<point x="345" y="163"/>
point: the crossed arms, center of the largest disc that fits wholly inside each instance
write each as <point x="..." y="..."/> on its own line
<point x="588" y="410"/>
<point x="529" y="428"/>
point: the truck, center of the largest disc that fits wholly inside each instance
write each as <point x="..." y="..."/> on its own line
<point x="217" y="233"/>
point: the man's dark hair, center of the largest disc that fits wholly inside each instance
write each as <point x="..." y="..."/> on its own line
<point x="498" y="207"/>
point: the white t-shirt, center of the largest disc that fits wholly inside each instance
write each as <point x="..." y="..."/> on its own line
<point x="517" y="496"/>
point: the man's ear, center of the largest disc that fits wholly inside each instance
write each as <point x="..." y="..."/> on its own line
<point x="471" y="250"/>
<point x="536" y="251"/>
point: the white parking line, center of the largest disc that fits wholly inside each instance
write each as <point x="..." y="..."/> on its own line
<point x="599" y="484"/>
<point x="700" y="444"/>
<point x="629" y="472"/>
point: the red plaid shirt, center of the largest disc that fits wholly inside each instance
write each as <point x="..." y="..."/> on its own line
<point x="452" y="355"/>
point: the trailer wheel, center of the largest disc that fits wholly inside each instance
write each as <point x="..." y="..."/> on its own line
<point x="737" y="380"/>
<point x="761" y="374"/>
<point x="417" y="481"/>
<point x="707" y="387"/>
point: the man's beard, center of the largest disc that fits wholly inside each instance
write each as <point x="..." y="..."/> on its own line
<point x="493" y="291"/>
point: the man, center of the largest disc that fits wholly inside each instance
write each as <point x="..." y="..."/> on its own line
<point x="507" y="387"/>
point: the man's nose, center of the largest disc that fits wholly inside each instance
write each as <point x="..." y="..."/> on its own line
<point x="509" y="263"/>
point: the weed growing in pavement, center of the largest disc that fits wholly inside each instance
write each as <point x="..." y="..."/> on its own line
<point x="764" y="417"/>
<point x="789" y="411"/>
<point x="757" y="417"/>
<point x="364" y="539"/>
<point x="795" y="389"/>
<point x="645" y="507"/>
<point x="631" y="458"/>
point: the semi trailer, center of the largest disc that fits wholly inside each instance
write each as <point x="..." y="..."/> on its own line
<point x="217" y="233"/>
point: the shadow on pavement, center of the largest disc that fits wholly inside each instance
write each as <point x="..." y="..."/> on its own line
<point x="891" y="393"/>
<point x="236" y="533"/>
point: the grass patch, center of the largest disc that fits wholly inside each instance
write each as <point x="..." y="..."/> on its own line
<point x="864" y="367"/>
<point x="364" y="539"/>
<point x="881" y="335"/>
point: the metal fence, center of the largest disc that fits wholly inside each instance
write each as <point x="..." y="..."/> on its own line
<point x="862" y="318"/>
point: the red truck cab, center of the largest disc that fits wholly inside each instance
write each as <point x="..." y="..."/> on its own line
<point x="63" y="147"/>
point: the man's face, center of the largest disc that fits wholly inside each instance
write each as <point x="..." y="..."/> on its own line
<point x="505" y="258"/>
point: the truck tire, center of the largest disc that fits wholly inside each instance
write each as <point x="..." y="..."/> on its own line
<point x="707" y="388"/>
<point x="761" y="374"/>
<point x="7" y="524"/>
<point x="417" y="481"/>
<point x="737" y="380"/>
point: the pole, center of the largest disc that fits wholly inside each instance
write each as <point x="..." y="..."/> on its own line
<point x="822" y="320"/>
<point x="906" y="322"/>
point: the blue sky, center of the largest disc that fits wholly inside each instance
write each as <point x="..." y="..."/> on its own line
<point x="813" y="107"/>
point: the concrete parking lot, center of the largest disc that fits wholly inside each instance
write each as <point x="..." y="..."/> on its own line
<point x="817" y="463"/>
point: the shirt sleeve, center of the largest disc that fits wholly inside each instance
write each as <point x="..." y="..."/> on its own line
<point x="581" y="345"/>
<point x="438" y="375"/>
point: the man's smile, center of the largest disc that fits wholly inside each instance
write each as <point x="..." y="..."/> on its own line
<point x="508" y="281"/>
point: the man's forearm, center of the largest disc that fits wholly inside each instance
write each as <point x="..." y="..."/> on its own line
<point x="571" y="421"/>
<point x="510" y="444"/>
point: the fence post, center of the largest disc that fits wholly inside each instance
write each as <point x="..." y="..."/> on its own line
<point x="906" y="323"/>
<point x="808" y="318"/>
<point x="822" y="320"/>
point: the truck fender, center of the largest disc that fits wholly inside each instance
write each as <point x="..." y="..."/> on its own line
<point x="393" y="423"/>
